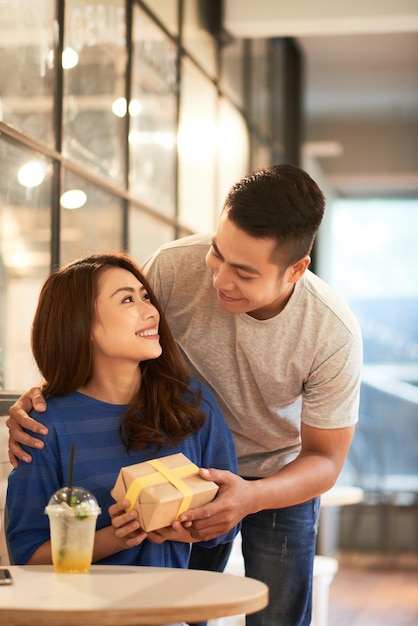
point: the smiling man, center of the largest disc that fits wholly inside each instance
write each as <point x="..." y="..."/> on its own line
<point x="283" y="355"/>
<point x="246" y="275"/>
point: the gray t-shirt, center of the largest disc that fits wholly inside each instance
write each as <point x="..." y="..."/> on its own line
<point x="268" y="375"/>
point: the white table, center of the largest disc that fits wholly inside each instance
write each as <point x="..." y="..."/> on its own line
<point x="340" y="495"/>
<point x="331" y="501"/>
<point x="325" y="565"/>
<point x="124" y="596"/>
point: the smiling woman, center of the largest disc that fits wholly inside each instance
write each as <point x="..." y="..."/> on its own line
<point x="124" y="312"/>
<point x="118" y="388"/>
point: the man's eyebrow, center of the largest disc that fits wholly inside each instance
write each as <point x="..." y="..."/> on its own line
<point x="215" y="247"/>
<point x="238" y="266"/>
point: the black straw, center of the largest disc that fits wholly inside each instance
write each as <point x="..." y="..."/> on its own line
<point x="71" y="472"/>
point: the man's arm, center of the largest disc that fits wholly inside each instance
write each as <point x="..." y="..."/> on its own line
<point x="314" y="471"/>
<point x="19" y="419"/>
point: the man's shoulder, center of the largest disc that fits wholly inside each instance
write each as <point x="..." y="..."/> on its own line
<point x="181" y="253"/>
<point x="192" y="242"/>
<point x="329" y="300"/>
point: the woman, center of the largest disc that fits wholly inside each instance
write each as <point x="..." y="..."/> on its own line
<point x="117" y="388"/>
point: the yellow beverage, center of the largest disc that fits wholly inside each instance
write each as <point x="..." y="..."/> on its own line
<point x="72" y="566"/>
<point x="72" y="540"/>
<point x="72" y="531"/>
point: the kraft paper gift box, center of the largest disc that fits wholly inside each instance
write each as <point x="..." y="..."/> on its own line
<point x="161" y="489"/>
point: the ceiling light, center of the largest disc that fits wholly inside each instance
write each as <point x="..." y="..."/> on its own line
<point x="69" y="58"/>
<point x="119" y="107"/>
<point x="73" y="199"/>
<point x="134" y="107"/>
<point x="323" y="148"/>
<point x="31" y="174"/>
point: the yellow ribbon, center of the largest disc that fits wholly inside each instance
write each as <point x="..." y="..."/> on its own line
<point x="173" y="475"/>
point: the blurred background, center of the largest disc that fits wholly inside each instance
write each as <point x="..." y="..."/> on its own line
<point x="123" y="123"/>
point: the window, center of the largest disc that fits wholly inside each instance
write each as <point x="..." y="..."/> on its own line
<point x="153" y="116"/>
<point x="25" y="233"/>
<point x="372" y="260"/>
<point x="27" y="59"/>
<point x="94" y="104"/>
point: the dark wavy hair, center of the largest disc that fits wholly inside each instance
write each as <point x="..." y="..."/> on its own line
<point x="281" y="202"/>
<point x="164" y="409"/>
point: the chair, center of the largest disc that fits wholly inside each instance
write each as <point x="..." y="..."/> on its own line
<point x="5" y="468"/>
<point x="325" y="568"/>
<point x="379" y="451"/>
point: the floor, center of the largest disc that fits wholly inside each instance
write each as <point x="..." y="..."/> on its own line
<point x="374" y="590"/>
<point x="367" y="590"/>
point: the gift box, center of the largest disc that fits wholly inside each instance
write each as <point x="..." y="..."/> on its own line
<point x="162" y="489"/>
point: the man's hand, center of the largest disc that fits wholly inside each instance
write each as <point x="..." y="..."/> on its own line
<point x="19" y="419"/>
<point x="235" y="500"/>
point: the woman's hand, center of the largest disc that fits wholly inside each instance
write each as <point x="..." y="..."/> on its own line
<point x="176" y="532"/>
<point x="125" y="524"/>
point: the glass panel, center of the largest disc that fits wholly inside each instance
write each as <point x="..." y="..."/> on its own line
<point x="197" y="146"/>
<point x="195" y="37"/>
<point x="27" y="62"/>
<point x="146" y="234"/>
<point x="372" y="245"/>
<point x="260" y="154"/>
<point x="167" y="12"/>
<point x="233" y="149"/>
<point x="91" y="219"/>
<point x="232" y="71"/>
<point x="25" y="199"/>
<point x="153" y="116"/>
<point x="94" y="103"/>
<point x="260" y="86"/>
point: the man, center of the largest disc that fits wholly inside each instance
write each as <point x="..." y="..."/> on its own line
<point x="283" y="355"/>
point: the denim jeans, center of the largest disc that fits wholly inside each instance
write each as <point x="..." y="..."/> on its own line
<point x="279" y="548"/>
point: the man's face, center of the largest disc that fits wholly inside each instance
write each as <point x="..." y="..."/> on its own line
<point x="245" y="277"/>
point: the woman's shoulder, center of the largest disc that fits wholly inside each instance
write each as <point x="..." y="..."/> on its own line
<point x="53" y="404"/>
<point x="197" y="386"/>
<point x="60" y="406"/>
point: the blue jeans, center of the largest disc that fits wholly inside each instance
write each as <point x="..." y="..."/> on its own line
<point x="278" y="546"/>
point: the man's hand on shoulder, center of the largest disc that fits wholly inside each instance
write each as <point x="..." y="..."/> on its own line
<point x="19" y="419"/>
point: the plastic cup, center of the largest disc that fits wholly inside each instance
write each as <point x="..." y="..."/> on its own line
<point x="72" y="516"/>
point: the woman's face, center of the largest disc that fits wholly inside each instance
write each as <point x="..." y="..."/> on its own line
<point x="126" y="325"/>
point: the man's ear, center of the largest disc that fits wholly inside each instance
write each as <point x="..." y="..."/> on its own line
<point x="298" y="269"/>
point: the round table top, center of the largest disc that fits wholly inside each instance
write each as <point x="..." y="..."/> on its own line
<point x="124" y="596"/>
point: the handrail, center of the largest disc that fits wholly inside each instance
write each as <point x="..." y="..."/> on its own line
<point x="7" y="398"/>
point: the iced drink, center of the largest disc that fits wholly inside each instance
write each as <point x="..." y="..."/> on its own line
<point x="72" y="519"/>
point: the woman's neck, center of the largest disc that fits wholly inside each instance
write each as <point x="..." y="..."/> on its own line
<point x="113" y="385"/>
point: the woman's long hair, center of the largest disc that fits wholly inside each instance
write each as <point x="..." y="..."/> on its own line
<point x="164" y="409"/>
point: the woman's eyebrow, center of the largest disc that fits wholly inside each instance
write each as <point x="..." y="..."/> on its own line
<point x="129" y="290"/>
